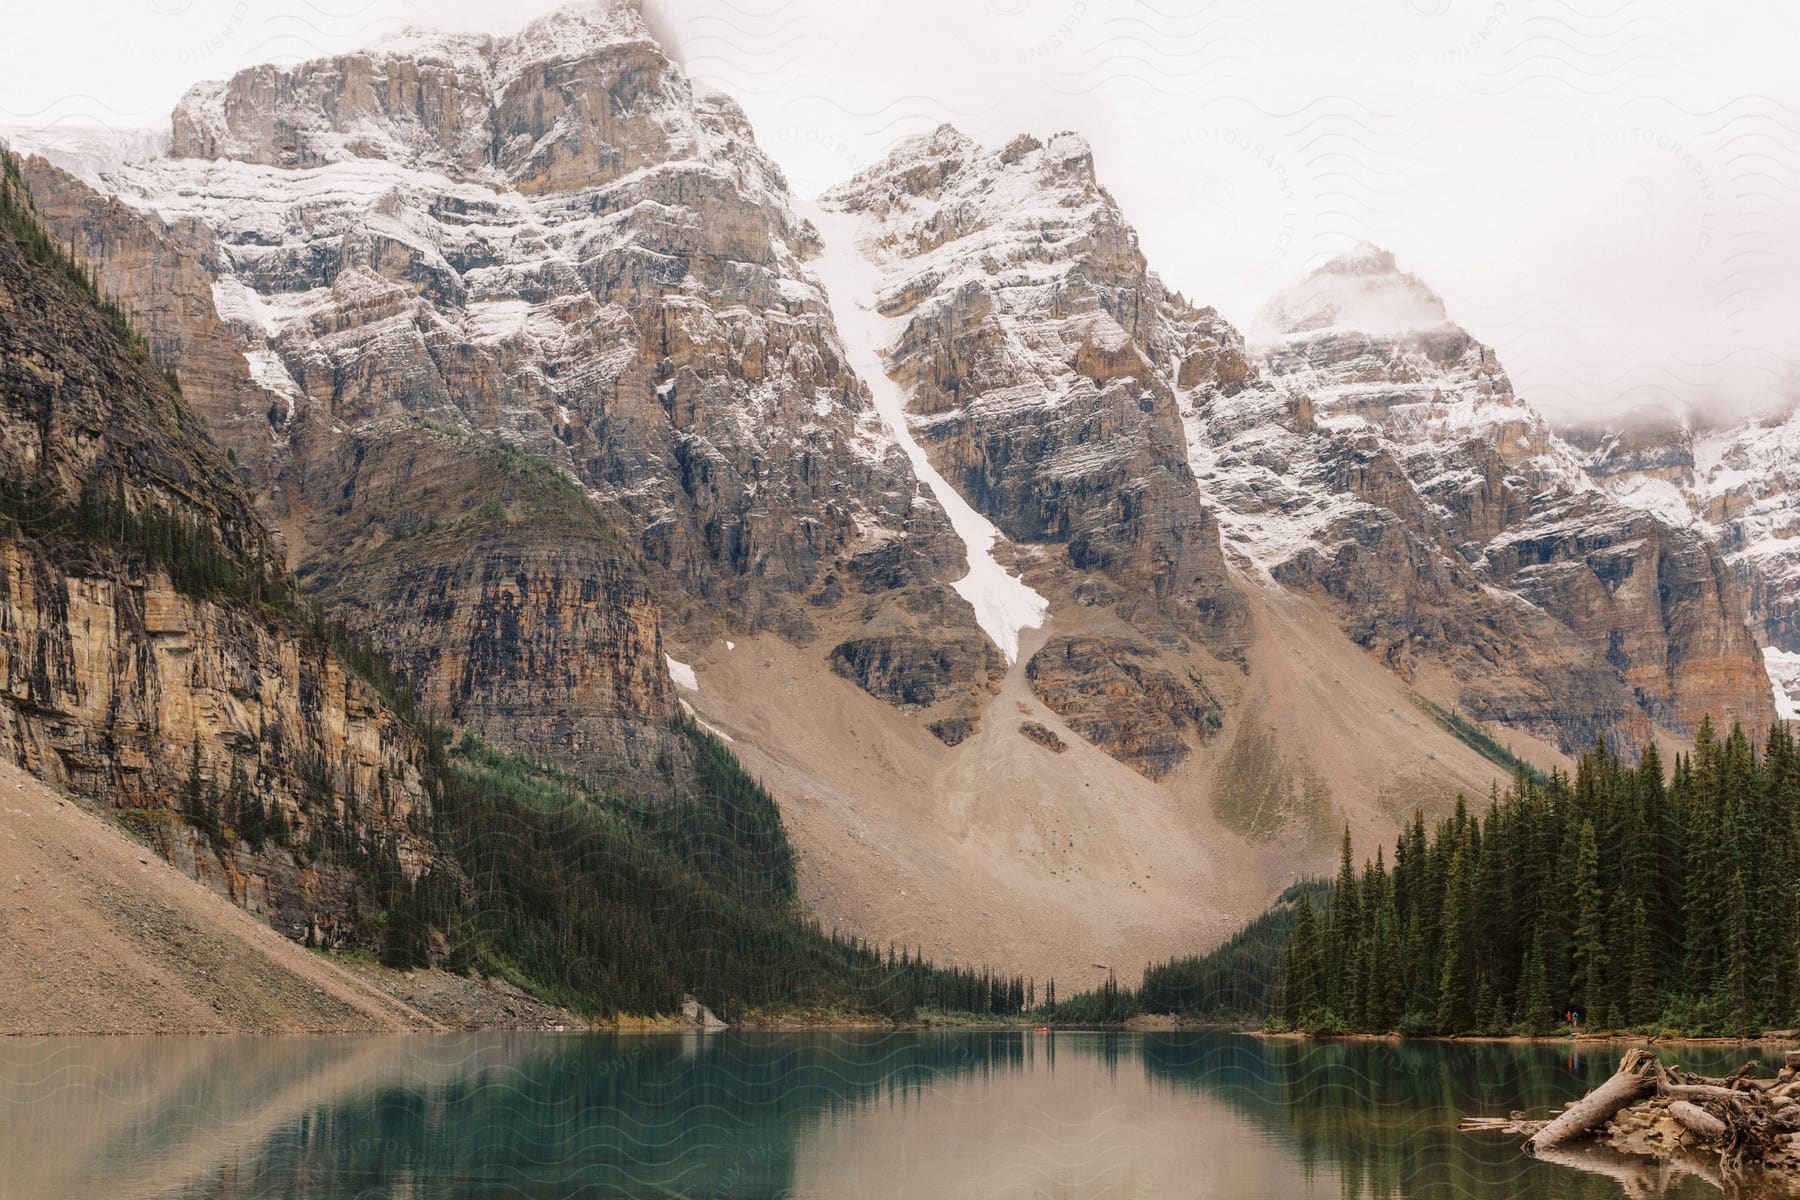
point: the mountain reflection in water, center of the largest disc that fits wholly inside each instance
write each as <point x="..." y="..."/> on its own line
<point x="808" y="1114"/>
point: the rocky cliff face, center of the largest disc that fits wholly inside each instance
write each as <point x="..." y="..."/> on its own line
<point x="488" y="576"/>
<point x="150" y="683"/>
<point x="1041" y="356"/>
<point x="551" y="240"/>
<point x="1383" y="458"/>
<point x="1037" y="360"/>
<point x="1366" y="448"/>
<point x="1733" y="484"/>
<point x="162" y="273"/>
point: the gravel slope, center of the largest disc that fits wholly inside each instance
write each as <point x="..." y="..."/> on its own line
<point x="100" y="935"/>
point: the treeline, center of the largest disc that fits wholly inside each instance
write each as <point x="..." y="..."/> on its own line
<point x="601" y="900"/>
<point x="606" y="902"/>
<point x="1235" y="983"/>
<point x="1623" y="897"/>
<point x="1238" y="980"/>
<point x="20" y="219"/>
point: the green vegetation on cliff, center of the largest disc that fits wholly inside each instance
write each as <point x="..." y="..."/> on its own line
<point x="609" y="903"/>
<point x="606" y="899"/>
<point x="20" y="221"/>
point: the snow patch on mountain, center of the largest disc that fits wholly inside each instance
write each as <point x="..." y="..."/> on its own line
<point x="1003" y="603"/>
<point x="88" y="152"/>
<point x="682" y="674"/>
<point x="1784" y="677"/>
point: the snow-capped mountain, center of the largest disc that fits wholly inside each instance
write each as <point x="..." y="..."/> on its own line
<point x="1383" y="457"/>
<point x="554" y="240"/>
<point x="1040" y="595"/>
<point x="1366" y="447"/>
<point x="1040" y="357"/>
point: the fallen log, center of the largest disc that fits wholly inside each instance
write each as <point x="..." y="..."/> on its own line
<point x="1648" y="1108"/>
<point x="1631" y="1083"/>
<point x="1696" y="1119"/>
<point x="1515" y="1125"/>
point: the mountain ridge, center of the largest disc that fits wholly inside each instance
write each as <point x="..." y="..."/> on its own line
<point x="1236" y="543"/>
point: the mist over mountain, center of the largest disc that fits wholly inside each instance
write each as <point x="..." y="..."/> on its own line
<point x="1067" y="615"/>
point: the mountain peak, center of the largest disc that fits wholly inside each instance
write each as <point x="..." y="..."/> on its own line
<point x="580" y="95"/>
<point x="1362" y="289"/>
<point x="1364" y="258"/>
<point x="572" y="31"/>
<point x="926" y="163"/>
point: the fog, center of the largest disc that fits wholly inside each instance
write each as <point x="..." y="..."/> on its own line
<point x="1599" y="190"/>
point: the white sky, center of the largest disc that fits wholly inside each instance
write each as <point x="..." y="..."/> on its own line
<point x="1600" y="189"/>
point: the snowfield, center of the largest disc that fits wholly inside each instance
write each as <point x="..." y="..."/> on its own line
<point x="682" y="674"/>
<point x="1004" y="604"/>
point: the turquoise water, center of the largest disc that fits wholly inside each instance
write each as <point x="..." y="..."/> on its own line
<point x="988" y="1114"/>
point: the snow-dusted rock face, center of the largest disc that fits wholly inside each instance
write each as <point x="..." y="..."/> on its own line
<point x="1737" y="485"/>
<point x="1373" y="348"/>
<point x="551" y="240"/>
<point x="1381" y="455"/>
<point x="1041" y="358"/>
<point x="579" y="98"/>
<point x="1038" y="361"/>
<point x="1367" y="447"/>
<point x="549" y="237"/>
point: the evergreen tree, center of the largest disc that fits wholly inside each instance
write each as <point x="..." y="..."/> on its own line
<point x="1386" y="985"/>
<point x="1343" y="938"/>
<point x="1456" y="980"/>
<point x="1739" y="965"/>
<point x="1534" y="1008"/>
<point x="1641" y="995"/>
<point x="1589" y="983"/>
<point x="1302" y="983"/>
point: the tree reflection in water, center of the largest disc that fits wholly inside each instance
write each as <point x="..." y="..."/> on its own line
<point x="811" y="1114"/>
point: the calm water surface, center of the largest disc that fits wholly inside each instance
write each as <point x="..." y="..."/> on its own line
<point x="987" y="1114"/>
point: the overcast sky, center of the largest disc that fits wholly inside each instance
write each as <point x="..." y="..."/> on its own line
<point x="1602" y="190"/>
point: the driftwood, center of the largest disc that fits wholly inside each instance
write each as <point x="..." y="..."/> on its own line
<point x="1697" y="1119"/>
<point x="1638" y="1178"/>
<point x="1650" y="1108"/>
<point x="1631" y="1083"/>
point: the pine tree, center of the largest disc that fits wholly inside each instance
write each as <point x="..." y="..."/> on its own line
<point x="1640" y="999"/>
<point x="1456" y="996"/>
<point x="1706" y="882"/>
<point x="1386" y="985"/>
<point x="1302" y="985"/>
<point x="1739" y="965"/>
<point x="1534" y="1011"/>
<point x="1343" y="938"/>
<point x="1589" y="984"/>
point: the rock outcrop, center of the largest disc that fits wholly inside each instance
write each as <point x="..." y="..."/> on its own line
<point x="1381" y="457"/>
<point x="487" y="576"/>
<point x="158" y="674"/>
<point x="1137" y="712"/>
<point x="1040" y="357"/>
<point x="1735" y="484"/>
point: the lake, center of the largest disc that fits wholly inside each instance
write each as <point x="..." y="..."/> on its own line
<point x="811" y="1114"/>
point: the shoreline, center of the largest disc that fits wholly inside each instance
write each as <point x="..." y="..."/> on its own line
<point x="1784" y="1037"/>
